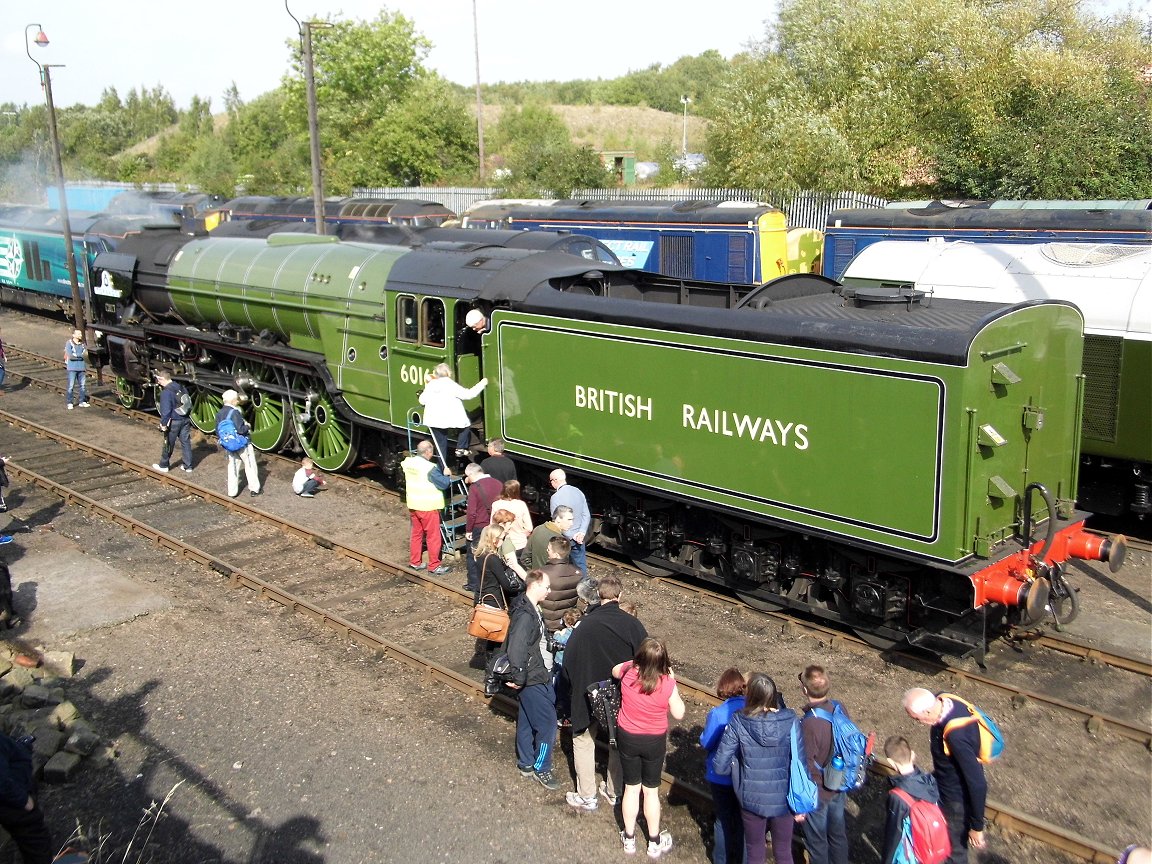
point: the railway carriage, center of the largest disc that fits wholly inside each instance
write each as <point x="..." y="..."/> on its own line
<point x="721" y="241"/>
<point x="848" y="232"/>
<point x="904" y="465"/>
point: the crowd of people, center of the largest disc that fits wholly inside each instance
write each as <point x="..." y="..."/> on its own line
<point x="569" y="632"/>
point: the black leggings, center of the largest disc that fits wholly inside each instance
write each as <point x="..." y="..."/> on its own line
<point x="641" y="757"/>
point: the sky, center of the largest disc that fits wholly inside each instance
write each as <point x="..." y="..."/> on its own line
<point x="201" y="48"/>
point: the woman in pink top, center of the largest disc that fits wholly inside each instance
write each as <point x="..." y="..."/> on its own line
<point x="648" y="694"/>
<point x="511" y="501"/>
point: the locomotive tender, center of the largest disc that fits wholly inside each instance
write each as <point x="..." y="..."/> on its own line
<point x="904" y="466"/>
<point x="1111" y="284"/>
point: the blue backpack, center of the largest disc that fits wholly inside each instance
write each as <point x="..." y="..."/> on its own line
<point x="230" y="439"/>
<point x="849" y="745"/>
<point x="991" y="738"/>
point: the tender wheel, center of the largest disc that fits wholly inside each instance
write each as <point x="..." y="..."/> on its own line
<point x="129" y="394"/>
<point x="649" y="569"/>
<point x="759" y="601"/>
<point x="269" y="413"/>
<point x="205" y="404"/>
<point x="330" y="440"/>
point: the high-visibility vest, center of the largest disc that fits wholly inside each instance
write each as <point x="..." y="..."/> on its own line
<point x="420" y="494"/>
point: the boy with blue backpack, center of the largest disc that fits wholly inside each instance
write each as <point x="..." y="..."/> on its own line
<point x="963" y="739"/>
<point x="838" y="754"/>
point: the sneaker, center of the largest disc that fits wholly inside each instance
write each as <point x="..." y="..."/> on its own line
<point x="307" y="495"/>
<point x="461" y="453"/>
<point x="420" y="566"/>
<point x="526" y="772"/>
<point x="603" y="790"/>
<point x="579" y="802"/>
<point x="629" y="843"/>
<point x="256" y="492"/>
<point x="3" y="508"/>
<point x="441" y="570"/>
<point x="185" y="469"/>
<point x="545" y="779"/>
<point x="70" y="406"/>
<point x="6" y="538"/>
<point x="85" y="404"/>
<point x="159" y="467"/>
<point x="658" y="847"/>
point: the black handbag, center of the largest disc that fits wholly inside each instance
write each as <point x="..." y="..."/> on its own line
<point x="498" y="673"/>
<point x="604" y="701"/>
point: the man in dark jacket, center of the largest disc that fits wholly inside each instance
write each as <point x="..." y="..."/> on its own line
<point x="20" y="815"/>
<point x="497" y="464"/>
<point x="958" y="772"/>
<point x="607" y="635"/>
<point x="825" y="835"/>
<point x="173" y="424"/>
<point x="912" y="780"/>
<point x="527" y="646"/>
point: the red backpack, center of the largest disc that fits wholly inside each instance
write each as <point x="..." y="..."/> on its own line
<point x="930" y="843"/>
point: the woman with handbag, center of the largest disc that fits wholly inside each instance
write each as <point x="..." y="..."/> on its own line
<point x="499" y="586"/>
<point x="648" y="695"/>
<point x="758" y="743"/>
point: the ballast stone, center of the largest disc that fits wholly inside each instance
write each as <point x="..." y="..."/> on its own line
<point x="61" y="767"/>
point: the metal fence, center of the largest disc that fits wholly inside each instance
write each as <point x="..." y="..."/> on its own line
<point x="804" y="209"/>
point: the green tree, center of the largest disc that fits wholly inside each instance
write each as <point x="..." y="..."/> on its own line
<point x="539" y="157"/>
<point x="887" y="95"/>
<point x="383" y="118"/>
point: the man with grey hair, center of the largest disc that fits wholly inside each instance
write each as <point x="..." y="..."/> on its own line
<point x="482" y="491"/>
<point x="569" y="496"/>
<point x="244" y="458"/>
<point x="424" y="485"/>
<point x="955" y="745"/>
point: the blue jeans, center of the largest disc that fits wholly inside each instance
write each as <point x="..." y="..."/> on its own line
<point x="536" y="727"/>
<point x="728" y="829"/>
<point x="578" y="557"/>
<point x="3" y="375"/>
<point x="473" y="565"/>
<point x="825" y="836"/>
<point x="178" y="430"/>
<point x="77" y="376"/>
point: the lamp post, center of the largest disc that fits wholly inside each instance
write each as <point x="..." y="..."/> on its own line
<point x="69" y="253"/>
<point x="684" y="100"/>
<point x="305" y="29"/>
<point x="479" y="100"/>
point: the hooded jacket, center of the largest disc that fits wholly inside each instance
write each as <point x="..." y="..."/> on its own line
<point x="763" y="745"/>
<point x="920" y="785"/>
<point x="523" y="644"/>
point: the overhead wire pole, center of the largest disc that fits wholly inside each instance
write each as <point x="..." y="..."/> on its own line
<point x="479" y="99"/>
<point x="305" y="29"/>
<point x="65" y="223"/>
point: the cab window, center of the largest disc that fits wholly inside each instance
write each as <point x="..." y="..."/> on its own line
<point x="420" y="321"/>
<point x="408" y="319"/>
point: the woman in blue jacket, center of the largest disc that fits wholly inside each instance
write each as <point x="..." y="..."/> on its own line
<point x="759" y="738"/>
<point x="727" y="830"/>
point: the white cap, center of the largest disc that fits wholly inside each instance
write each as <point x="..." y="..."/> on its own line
<point x="474" y="317"/>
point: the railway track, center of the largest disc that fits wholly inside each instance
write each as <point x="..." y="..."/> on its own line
<point x="194" y="523"/>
